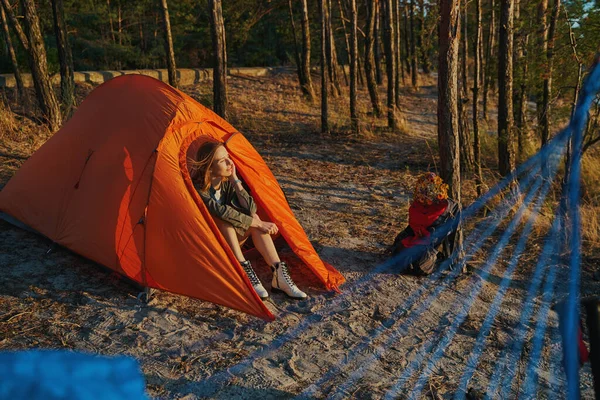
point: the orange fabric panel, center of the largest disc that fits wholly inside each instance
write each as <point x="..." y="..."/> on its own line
<point x="86" y="187"/>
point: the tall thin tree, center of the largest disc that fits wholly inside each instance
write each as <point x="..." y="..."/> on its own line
<point x="447" y="108"/>
<point x="171" y="66"/>
<point x="324" y="67"/>
<point x="39" y="66"/>
<point x="476" y="67"/>
<point x="489" y="58"/>
<point x="12" y="55"/>
<point x="370" y="56"/>
<point x="220" y="57"/>
<point x="413" y="52"/>
<point x="545" y="122"/>
<point x="307" y="86"/>
<point x="466" y="154"/>
<point x="389" y="62"/>
<point x="377" y="35"/>
<point x="353" y="67"/>
<point x="506" y="153"/>
<point x="67" y="74"/>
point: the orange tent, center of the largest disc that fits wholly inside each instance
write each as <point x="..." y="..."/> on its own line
<point x="113" y="185"/>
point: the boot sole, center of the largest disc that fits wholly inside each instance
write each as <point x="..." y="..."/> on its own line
<point x="291" y="297"/>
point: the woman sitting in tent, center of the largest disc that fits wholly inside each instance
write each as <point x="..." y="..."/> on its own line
<point x="415" y="249"/>
<point x="234" y="212"/>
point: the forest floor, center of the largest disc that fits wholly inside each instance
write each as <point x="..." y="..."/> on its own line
<point x="351" y="194"/>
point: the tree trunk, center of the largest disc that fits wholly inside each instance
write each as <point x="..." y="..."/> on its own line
<point x="397" y="59"/>
<point x="466" y="153"/>
<point x="220" y="57"/>
<point x="324" y="67"/>
<point x="406" y="36"/>
<point x="110" y="20"/>
<point x="521" y="120"/>
<point x="389" y="63"/>
<point x="548" y="75"/>
<point x="447" y="107"/>
<point x="400" y="44"/>
<point x="13" y="57"/>
<point x="423" y="47"/>
<point x="476" y="67"/>
<point x="346" y="41"/>
<point x="489" y="59"/>
<point x="306" y="83"/>
<point x="296" y="47"/>
<point x="308" y="86"/>
<point x="413" y="51"/>
<point x="506" y="158"/>
<point x="540" y="58"/>
<point x="370" y="56"/>
<point x="332" y="55"/>
<point x="173" y="81"/>
<point x="16" y="25"/>
<point x="377" y="35"/>
<point x="67" y="76"/>
<point x="353" y="67"/>
<point x="39" y="67"/>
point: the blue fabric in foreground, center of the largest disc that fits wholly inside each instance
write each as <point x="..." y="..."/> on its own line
<point x="61" y="374"/>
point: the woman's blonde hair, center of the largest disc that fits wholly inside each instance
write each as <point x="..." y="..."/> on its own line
<point x="200" y="167"/>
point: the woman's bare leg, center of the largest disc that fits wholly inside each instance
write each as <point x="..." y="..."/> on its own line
<point x="264" y="244"/>
<point x="231" y="238"/>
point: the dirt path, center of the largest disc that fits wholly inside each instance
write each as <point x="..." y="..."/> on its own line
<point x="351" y="196"/>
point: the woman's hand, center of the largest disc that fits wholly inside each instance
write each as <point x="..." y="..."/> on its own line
<point x="265" y="227"/>
<point x="233" y="177"/>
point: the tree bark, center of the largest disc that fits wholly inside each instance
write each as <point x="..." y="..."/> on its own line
<point x="406" y="36"/>
<point x="171" y="66"/>
<point x="307" y="87"/>
<point x="413" y="52"/>
<point x="110" y="20"/>
<point x="296" y="47"/>
<point x="489" y="59"/>
<point x="377" y="35"/>
<point x="346" y="40"/>
<point x="67" y="75"/>
<point x="353" y="67"/>
<point x="324" y="67"/>
<point x="220" y="57"/>
<point x="13" y="57"/>
<point x="506" y="158"/>
<point x="39" y="67"/>
<point x="476" y="68"/>
<point x="397" y="59"/>
<point x="16" y="25"/>
<point x="447" y="108"/>
<point x="332" y="55"/>
<point x="466" y="153"/>
<point x="370" y="56"/>
<point x="389" y="63"/>
<point x="548" y="75"/>
<point x="540" y="58"/>
<point x="423" y="41"/>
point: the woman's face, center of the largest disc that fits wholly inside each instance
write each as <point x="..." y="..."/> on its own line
<point x="222" y="166"/>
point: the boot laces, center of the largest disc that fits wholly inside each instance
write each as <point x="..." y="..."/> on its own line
<point x="250" y="272"/>
<point x="286" y="274"/>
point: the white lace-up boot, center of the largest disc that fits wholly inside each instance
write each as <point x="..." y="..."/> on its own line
<point x="282" y="282"/>
<point x="258" y="287"/>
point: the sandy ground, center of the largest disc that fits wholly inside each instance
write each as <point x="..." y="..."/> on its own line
<point x="380" y="336"/>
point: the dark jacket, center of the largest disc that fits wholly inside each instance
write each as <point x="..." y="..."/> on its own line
<point x="228" y="208"/>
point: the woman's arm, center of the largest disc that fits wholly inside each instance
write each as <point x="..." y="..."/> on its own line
<point x="226" y="213"/>
<point x="246" y="201"/>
